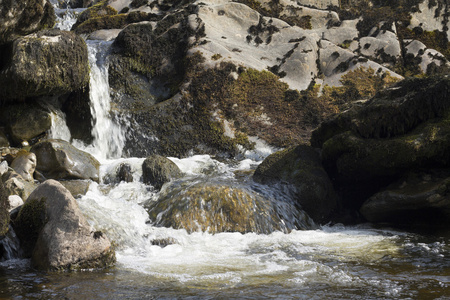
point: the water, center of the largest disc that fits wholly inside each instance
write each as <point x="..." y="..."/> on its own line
<point x="327" y="262"/>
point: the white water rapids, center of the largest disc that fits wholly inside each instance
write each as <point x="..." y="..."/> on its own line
<point x="358" y="262"/>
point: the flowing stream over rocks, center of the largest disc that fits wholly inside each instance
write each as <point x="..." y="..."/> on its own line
<point x="299" y="261"/>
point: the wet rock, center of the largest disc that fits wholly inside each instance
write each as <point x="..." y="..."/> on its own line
<point x="301" y="169"/>
<point x="50" y="62"/>
<point x="100" y="9"/>
<point x="16" y="185"/>
<point x="417" y="198"/>
<point x="58" y="159"/>
<point x="22" y="17"/>
<point x="157" y="170"/>
<point x="56" y="234"/>
<point x="25" y="164"/>
<point x="216" y="207"/>
<point x="76" y="187"/>
<point x="124" y="173"/>
<point x="26" y="121"/>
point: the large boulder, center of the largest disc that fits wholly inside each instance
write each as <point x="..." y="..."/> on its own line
<point x="56" y="234"/>
<point x="21" y="17"/>
<point x="58" y="159"/>
<point x="26" y="121"/>
<point x="157" y="170"/>
<point x="417" y="198"/>
<point x="300" y="168"/>
<point x="403" y="129"/>
<point x="50" y="62"/>
<point x="220" y="207"/>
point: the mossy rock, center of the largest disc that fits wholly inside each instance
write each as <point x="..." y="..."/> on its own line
<point x="116" y="21"/>
<point x="50" y="62"/>
<point x="98" y="10"/>
<point x="4" y="213"/>
<point x="301" y="169"/>
<point x="22" y="17"/>
<point x="216" y="207"/>
<point x="157" y="170"/>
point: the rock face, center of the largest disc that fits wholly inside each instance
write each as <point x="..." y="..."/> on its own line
<point x="215" y="207"/>
<point x="157" y="170"/>
<point x="57" y="235"/>
<point x="57" y="159"/>
<point x="401" y="130"/>
<point x="417" y="198"/>
<point x="50" y="62"/>
<point x="301" y="169"/>
<point x="23" y="17"/>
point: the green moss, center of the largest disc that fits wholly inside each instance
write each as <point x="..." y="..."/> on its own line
<point x="216" y="57"/>
<point x="30" y="221"/>
<point x="100" y="9"/>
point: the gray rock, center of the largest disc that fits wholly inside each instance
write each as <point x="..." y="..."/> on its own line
<point x="21" y="17"/>
<point x="58" y="159"/>
<point x="301" y="169"/>
<point x="50" y="62"/>
<point x="4" y="212"/>
<point x="25" y="164"/>
<point x="410" y="200"/>
<point x="157" y="170"/>
<point x="385" y="47"/>
<point x="56" y="233"/>
<point x="76" y="187"/>
<point x="15" y="184"/>
<point x="14" y="202"/>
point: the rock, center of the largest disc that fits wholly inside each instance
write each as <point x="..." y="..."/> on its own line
<point x="76" y="187"/>
<point x="57" y="159"/>
<point x="384" y="48"/>
<point x="23" y="17"/>
<point x="50" y="62"/>
<point x="95" y="11"/>
<point x="4" y="210"/>
<point x="402" y="129"/>
<point x="56" y="234"/>
<point x="301" y="169"/>
<point x="157" y="170"/>
<point x="3" y="168"/>
<point x="216" y="207"/>
<point x="124" y="173"/>
<point x="26" y="121"/>
<point x="14" y="202"/>
<point x="25" y="164"/>
<point x="431" y="16"/>
<point x="418" y="198"/>
<point x="14" y="184"/>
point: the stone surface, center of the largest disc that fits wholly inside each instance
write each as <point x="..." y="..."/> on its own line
<point x="3" y="139"/>
<point x="56" y="234"/>
<point x="157" y="170"/>
<point x="4" y="210"/>
<point x="214" y="207"/>
<point x="417" y="198"/>
<point x="22" y="17"/>
<point x="57" y="159"/>
<point x="50" y="62"/>
<point x="14" y="184"/>
<point x="301" y="169"/>
<point x="76" y="187"/>
<point x="26" y="121"/>
<point x="14" y="202"/>
<point x="25" y="165"/>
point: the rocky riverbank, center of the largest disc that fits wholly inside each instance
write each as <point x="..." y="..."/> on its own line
<point x="356" y="91"/>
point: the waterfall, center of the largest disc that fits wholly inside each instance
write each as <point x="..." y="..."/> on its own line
<point x="10" y="246"/>
<point x="109" y="138"/>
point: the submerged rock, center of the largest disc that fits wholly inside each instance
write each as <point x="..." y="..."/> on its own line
<point x="58" y="159"/>
<point x="216" y="207"/>
<point x="157" y="170"/>
<point x="56" y="234"/>
<point x="301" y="169"/>
<point x="50" y="62"/>
<point x="418" y="198"/>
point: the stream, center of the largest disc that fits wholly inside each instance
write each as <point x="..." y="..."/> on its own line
<point x="302" y="261"/>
